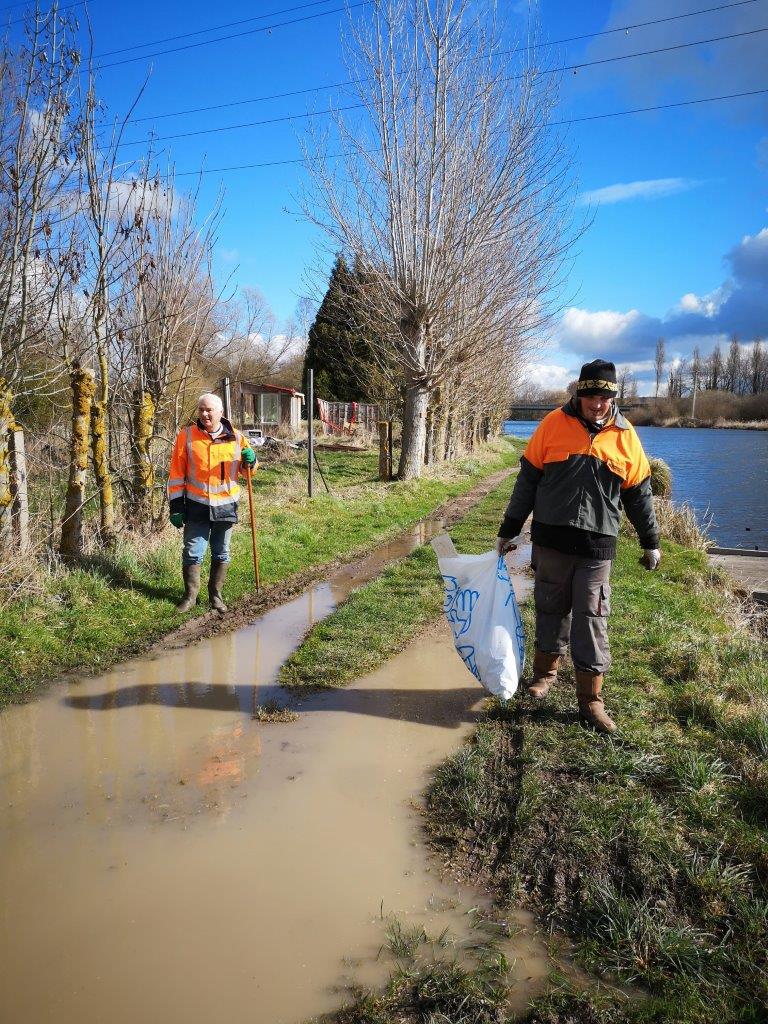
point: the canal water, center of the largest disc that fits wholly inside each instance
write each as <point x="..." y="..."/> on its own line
<point x="721" y="474"/>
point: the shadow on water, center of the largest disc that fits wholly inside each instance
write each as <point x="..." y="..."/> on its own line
<point x="447" y="708"/>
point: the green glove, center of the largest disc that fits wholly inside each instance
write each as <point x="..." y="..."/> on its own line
<point x="248" y="456"/>
<point x="177" y="519"/>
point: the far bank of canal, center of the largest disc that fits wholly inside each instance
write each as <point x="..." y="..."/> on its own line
<point x="722" y="474"/>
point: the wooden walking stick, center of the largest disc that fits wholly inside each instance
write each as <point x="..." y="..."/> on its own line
<point x="249" y="479"/>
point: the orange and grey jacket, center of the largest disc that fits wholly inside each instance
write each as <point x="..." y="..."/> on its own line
<point x="202" y="481"/>
<point x="577" y="480"/>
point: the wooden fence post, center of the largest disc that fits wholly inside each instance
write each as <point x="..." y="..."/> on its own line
<point x="385" y="450"/>
<point x="20" y="508"/>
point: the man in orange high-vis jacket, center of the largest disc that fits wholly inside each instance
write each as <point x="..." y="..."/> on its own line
<point x="583" y="463"/>
<point x="203" y="493"/>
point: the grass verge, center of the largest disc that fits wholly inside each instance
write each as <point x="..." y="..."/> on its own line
<point x="649" y="849"/>
<point x="406" y="596"/>
<point x="89" y="617"/>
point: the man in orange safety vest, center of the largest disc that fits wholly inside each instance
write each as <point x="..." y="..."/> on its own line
<point x="203" y="493"/>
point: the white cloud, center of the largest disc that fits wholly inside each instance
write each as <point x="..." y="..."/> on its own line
<point x="603" y="331"/>
<point x="548" y="376"/>
<point x="738" y="307"/>
<point x="654" y="188"/>
<point x="229" y="255"/>
<point x="127" y="197"/>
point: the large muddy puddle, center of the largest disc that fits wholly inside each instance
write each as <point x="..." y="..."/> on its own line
<point x="167" y="857"/>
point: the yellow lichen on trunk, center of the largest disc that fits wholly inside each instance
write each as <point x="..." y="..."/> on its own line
<point x="83" y="384"/>
<point x="99" y="434"/>
<point x="143" y="473"/>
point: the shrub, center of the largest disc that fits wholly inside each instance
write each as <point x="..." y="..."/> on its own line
<point x="678" y="523"/>
<point x="661" y="478"/>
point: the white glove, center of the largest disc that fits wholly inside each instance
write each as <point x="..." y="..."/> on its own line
<point x="651" y="558"/>
<point x="505" y="544"/>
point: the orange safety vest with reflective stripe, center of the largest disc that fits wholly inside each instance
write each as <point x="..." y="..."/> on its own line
<point x="202" y="481"/>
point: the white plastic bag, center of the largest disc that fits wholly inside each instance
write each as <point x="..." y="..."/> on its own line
<point x="481" y="607"/>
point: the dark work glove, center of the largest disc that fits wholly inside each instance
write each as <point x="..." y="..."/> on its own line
<point x="248" y="456"/>
<point x="177" y="519"/>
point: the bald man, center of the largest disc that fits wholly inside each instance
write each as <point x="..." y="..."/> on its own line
<point x="203" y="494"/>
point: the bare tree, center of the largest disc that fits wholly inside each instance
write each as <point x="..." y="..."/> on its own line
<point x="452" y="200"/>
<point x="37" y="129"/>
<point x="624" y="380"/>
<point x="108" y="214"/>
<point x="757" y="367"/>
<point x="715" y="367"/>
<point x="658" y="364"/>
<point x="168" y="317"/>
<point x="732" y="370"/>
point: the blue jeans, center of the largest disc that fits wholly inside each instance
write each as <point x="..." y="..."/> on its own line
<point x="197" y="537"/>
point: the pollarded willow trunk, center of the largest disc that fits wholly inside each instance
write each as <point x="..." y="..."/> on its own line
<point x="83" y="384"/>
<point x="143" y="472"/>
<point x="429" y="434"/>
<point x="414" y="432"/>
<point x="6" y="495"/>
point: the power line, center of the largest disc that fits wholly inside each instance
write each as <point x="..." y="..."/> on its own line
<point x="246" y="124"/>
<point x="233" y="35"/>
<point x="240" y="103"/>
<point x="534" y="46"/>
<point x="660" y="106"/>
<point x="60" y="10"/>
<point x="572" y="120"/>
<point x="358" y="106"/>
<point x="662" y="49"/>
<point x="218" y="28"/>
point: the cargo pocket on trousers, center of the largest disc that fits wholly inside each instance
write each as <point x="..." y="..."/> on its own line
<point x="604" y="600"/>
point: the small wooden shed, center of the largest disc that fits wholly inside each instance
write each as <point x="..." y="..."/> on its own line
<point x="266" y="406"/>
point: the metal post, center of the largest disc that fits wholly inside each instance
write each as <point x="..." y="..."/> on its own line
<point x="310" y="434"/>
<point x="226" y="397"/>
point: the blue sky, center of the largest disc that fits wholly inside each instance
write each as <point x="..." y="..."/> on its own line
<point x="677" y="250"/>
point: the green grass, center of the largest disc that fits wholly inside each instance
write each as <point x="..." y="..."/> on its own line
<point x="649" y="848"/>
<point x="430" y="985"/>
<point x="406" y="596"/>
<point x="88" y="617"/>
<point x="340" y="468"/>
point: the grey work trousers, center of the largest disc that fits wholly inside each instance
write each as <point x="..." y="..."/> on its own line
<point x="573" y="601"/>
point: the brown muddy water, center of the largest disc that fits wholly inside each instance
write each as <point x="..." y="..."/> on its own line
<point x="166" y="857"/>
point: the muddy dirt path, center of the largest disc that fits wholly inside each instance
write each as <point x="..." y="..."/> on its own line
<point x="166" y="857"/>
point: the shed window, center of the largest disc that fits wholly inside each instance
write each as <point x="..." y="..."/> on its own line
<point x="269" y="408"/>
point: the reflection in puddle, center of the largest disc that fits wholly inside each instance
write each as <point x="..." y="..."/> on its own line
<point x="167" y="857"/>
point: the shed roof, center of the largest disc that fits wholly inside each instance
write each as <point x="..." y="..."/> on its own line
<point x="274" y="388"/>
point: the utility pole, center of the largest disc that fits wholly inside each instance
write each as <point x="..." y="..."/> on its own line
<point x="310" y="435"/>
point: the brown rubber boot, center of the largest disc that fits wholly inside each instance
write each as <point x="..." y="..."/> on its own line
<point x="544" y="674"/>
<point x="191" y="588"/>
<point x="216" y="585"/>
<point x="591" y="709"/>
